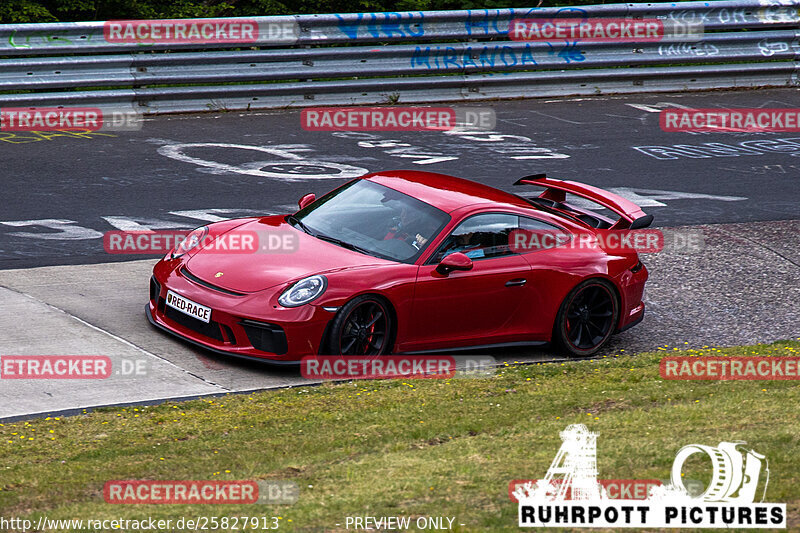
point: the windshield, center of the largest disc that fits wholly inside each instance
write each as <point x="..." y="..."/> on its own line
<point x="373" y="219"/>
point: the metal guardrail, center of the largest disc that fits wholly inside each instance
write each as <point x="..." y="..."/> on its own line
<point x="366" y="58"/>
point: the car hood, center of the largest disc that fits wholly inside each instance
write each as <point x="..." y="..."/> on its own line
<point x="252" y="272"/>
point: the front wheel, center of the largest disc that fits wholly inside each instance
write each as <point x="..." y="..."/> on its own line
<point x="363" y="326"/>
<point x="586" y="319"/>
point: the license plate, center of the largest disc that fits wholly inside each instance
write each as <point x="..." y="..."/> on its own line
<point x="188" y="307"/>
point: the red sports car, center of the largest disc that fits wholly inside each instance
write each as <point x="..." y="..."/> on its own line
<point x="408" y="262"/>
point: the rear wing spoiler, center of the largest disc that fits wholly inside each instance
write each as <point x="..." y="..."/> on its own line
<point x="631" y="215"/>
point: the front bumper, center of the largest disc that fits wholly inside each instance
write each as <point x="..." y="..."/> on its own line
<point x="227" y="353"/>
<point x="251" y="325"/>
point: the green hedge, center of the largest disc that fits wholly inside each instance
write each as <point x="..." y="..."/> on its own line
<point x="17" y="11"/>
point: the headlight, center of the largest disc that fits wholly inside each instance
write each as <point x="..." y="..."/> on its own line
<point x="304" y="291"/>
<point x="192" y="241"/>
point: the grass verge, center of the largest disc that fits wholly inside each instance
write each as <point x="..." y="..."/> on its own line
<point x="414" y="448"/>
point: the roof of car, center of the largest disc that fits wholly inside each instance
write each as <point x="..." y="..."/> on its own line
<point x="442" y="191"/>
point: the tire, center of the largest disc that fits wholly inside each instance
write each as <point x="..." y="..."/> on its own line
<point x="363" y="326"/>
<point x="587" y="318"/>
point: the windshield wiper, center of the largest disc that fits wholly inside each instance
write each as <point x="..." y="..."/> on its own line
<point x="294" y="221"/>
<point x="343" y="244"/>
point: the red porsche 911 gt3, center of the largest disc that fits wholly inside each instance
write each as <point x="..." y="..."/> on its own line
<point x="408" y="262"/>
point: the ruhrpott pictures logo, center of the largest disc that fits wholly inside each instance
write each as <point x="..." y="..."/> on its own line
<point x="727" y="502"/>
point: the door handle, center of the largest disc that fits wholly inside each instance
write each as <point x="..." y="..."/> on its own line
<point x="518" y="282"/>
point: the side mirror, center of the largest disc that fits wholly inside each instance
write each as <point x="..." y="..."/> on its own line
<point x="454" y="261"/>
<point x="305" y="200"/>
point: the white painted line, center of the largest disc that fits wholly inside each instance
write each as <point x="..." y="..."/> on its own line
<point x="121" y="340"/>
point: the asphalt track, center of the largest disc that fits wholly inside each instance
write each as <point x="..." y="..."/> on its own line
<point x="63" y="294"/>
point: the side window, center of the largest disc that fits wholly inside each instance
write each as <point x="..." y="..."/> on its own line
<point x="480" y="237"/>
<point x="535" y="235"/>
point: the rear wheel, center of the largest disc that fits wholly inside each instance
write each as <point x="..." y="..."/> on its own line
<point x="363" y="326"/>
<point x="587" y="318"/>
